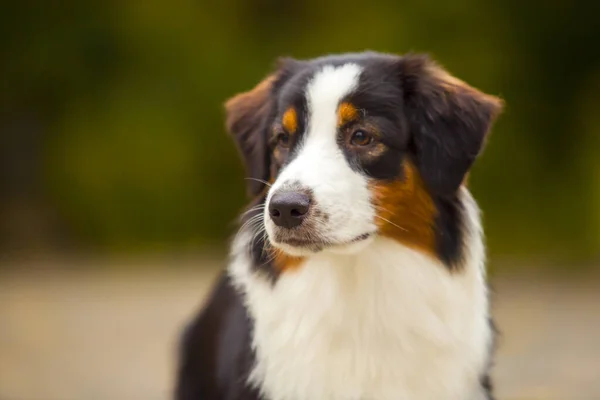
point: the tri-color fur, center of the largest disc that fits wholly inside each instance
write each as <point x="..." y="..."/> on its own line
<point x="380" y="292"/>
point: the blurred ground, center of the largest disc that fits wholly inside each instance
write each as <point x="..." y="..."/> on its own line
<point x="74" y="333"/>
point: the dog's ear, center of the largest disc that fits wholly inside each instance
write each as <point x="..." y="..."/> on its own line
<point x="448" y="121"/>
<point x="246" y="120"/>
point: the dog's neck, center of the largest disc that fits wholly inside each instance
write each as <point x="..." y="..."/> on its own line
<point x="387" y="322"/>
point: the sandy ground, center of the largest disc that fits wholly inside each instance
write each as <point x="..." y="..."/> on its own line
<point x="109" y="334"/>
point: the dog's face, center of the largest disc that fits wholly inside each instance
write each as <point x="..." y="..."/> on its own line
<point x="358" y="145"/>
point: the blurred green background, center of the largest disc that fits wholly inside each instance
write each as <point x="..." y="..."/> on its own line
<point x="112" y="127"/>
<point x="117" y="177"/>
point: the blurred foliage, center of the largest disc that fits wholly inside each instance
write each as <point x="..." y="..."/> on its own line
<point x="111" y="112"/>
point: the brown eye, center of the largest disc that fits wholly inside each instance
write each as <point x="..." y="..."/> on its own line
<point x="361" y="138"/>
<point x="283" y="139"/>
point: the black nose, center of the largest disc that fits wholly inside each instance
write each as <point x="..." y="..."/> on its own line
<point x="288" y="209"/>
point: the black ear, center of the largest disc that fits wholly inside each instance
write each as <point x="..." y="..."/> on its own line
<point x="448" y="120"/>
<point x="246" y="119"/>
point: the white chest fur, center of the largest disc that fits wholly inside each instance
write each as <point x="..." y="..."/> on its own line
<point x="386" y="323"/>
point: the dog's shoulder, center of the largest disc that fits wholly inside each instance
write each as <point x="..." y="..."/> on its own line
<point x="215" y="355"/>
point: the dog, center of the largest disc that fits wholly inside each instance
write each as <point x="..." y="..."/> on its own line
<point x="358" y="272"/>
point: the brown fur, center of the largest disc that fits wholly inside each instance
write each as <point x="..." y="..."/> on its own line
<point x="347" y="113"/>
<point x="452" y="84"/>
<point x="245" y="115"/>
<point x="290" y="120"/>
<point x="405" y="210"/>
<point x="286" y="263"/>
<point x="248" y="101"/>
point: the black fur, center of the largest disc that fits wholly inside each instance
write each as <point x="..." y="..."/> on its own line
<point x="449" y="123"/>
<point x="215" y="355"/>
<point x="261" y="257"/>
<point x="449" y="230"/>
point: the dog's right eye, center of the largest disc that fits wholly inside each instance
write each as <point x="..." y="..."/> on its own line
<point x="283" y="139"/>
<point x="361" y="138"/>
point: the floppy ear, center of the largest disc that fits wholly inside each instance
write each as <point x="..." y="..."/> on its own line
<point x="448" y="120"/>
<point x="246" y="118"/>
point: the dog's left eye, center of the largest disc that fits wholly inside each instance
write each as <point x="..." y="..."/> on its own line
<point x="283" y="139"/>
<point x="361" y="138"/>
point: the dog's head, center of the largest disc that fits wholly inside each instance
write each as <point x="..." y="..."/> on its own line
<point x="343" y="148"/>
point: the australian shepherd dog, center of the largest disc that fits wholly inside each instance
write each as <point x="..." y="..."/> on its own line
<point x="358" y="271"/>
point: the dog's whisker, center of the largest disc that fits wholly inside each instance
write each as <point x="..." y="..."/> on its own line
<point x="391" y="223"/>
<point x="271" y="251"/>
<point x="253" y="220"/>
<point x="254" y="216"/>
<point x="259" y="180"/>
<point x="260" y="207"/>
<point x="249" y="225"/>
<point x="251" y="242"/>
<point x="255" y="229"/>
<point x="380" y="208"/>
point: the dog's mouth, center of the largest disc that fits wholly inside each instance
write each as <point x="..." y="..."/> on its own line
<point x="315" y="244"/>
<point x="309" y="230"/>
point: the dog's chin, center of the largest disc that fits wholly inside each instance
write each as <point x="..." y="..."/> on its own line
<point x="352" y="247"/>
<point x="298" y="248"/>
<point x="296" y="251"/>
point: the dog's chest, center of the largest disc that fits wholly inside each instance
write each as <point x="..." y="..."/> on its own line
<point x="388" y="324"/>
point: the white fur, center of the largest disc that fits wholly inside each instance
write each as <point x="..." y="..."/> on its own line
<point x="339" y="191"/>
<point x="371" y="321"/>
<point x="385" y="323"/>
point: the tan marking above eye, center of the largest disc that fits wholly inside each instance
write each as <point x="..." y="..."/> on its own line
<point x="347" y="113"/>
<point x="290" y="120"/>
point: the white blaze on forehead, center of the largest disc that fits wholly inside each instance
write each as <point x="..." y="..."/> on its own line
<point x="319" y="149"/>
<point x="325" y="92"/>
